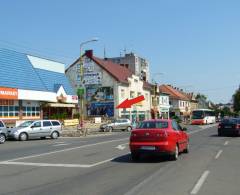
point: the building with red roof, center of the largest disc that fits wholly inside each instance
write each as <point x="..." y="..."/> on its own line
<point x="106" y="85"/>
<point x="180" y="102"/>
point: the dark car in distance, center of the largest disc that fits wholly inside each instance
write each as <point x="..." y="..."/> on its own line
<point x="229" y="127"/>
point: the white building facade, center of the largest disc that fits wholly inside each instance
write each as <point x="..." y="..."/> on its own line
<point x="106" y="85"/>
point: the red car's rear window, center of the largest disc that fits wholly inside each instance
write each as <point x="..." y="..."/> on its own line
<point x="153" y="125"/>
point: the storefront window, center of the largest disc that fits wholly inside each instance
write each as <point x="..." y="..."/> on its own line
<point x="31" y="111"/>
<point x="7" y="109"/>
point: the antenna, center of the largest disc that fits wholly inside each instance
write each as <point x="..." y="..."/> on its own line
<point x="104" y="52"/>
<point x="125" y="50"/>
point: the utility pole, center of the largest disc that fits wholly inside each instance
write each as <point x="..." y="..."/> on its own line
<point x="81" y="88"/>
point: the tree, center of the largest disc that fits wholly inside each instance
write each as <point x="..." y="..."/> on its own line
<point x="236" y="100"/>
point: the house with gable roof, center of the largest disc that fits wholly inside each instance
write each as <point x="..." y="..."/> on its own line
<point x="107" y="84"/>
<point x="180" y="103"/>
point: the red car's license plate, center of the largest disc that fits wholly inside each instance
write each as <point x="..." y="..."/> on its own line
<point x="148" y="148"/>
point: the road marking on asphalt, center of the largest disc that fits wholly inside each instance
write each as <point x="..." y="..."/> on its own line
<point x="122" y="146"/>
<point x="56" y="165"/>
<point x="59" y="142"/>
<point x="202" y="129"/>
<point x="11" y="161"/>
<point x="226" y="143"/>
<point x="45" y="164"/>
<point x="200" y="182"/>
<point x="56" y="145"/>
<point x="68" y="149"/>
<point x="218" y="154"/>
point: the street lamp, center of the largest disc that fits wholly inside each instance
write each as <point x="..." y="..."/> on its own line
<point x="155" y="90"/>
<point x="81" y="89"/>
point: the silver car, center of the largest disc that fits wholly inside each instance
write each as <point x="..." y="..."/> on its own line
<point x="117" y="124"/>
<point x="36" y="129"/>
<point x="3" y="132"/>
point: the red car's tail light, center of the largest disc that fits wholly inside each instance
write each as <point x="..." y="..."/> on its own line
<point x="238" y="126"/>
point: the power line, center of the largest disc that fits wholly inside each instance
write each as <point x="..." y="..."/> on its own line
<point x="30" y="50"/>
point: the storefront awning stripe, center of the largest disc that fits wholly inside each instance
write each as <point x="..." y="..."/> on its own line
<point x="60" y="105"/>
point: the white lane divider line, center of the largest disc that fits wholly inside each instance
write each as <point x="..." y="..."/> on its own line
<point x="200" y="182"/>
<point x="56" y="145"/>
<point x="226" y="143"/>
<point x="202" y="129"/>
<point x="218" y="154"/>
<point x="45" y="164"/>
<point x="68" y="149"/>
<point x="59" y="142"/>
<point x="58" y="165"/>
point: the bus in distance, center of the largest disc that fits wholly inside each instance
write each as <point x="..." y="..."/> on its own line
<point x="203" y="116"/>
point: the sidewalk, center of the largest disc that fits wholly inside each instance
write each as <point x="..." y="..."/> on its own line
<point x="73" y="131"/>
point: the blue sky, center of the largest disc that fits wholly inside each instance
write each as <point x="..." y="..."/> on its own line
<point x="194" y="43"/>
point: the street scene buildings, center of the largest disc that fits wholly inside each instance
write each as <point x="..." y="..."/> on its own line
<point x="33" y="88"/>
<point x="44" y="89"/>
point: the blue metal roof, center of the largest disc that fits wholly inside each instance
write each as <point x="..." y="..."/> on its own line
<point x="53" y="79"/>
<point x="16" y="71"/>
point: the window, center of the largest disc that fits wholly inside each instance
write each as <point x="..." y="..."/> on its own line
<point x="1" y="124"/>
<point x="153" y="125"/>
<point x="122" y="93"/>
<point x="7" y="109"/>
<point x="55" y="123"/>
<point x="31" y="111"/>
<point x="47" y="123"/>
<point x="175" y="125"/>
<point x="132" y="94"/>
<point x="37" y="124"/>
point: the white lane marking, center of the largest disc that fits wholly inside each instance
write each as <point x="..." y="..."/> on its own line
<point x="122" y="146"/>
<point x="57" y="165"/>
<point x="196" y="131"/>
<point x="200" y="182"/>
<point x="59" y="142"/>
<point x="56" y="145"/>
<point x="68" y="149"/>
<point x="226" y="143"/>
<point x="218" y="154"/>
<point x="45" y="164"/>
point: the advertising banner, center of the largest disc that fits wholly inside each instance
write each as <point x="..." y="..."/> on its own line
<point x="8" y="93"/>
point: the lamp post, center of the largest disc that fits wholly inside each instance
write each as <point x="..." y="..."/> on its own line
<point x="155" y="103"/>
<point x="81" y="88"/>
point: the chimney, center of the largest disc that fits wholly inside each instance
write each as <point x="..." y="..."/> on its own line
<point x="89" y="53"/>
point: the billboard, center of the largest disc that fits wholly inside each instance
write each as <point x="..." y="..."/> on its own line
<point x="99" y="94"/>
<point x="101" y="109"/>
<point x="100" y="101"/>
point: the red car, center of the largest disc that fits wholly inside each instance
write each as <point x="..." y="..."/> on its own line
<point x="159" y="137"/>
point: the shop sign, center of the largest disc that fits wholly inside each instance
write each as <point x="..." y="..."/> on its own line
<point x="93" y="78"/>
<point x="8" y="93"/>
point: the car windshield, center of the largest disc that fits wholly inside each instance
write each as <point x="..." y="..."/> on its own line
<point x="230" y="121"/>
<point x="26" y="124"/>
<point x="153" y="125"/>
<point x="197" y="115"/>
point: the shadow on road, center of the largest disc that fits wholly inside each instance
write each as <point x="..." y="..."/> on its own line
<point x="144" y="159"/>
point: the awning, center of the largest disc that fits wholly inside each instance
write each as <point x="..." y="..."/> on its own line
<point x="60" y="105"/>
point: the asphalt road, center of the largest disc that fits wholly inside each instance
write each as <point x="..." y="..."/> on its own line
<point x="102" y="165"/>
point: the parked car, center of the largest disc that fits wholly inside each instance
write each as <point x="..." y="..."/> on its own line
<point x="36" y="129"/>
<point x="3" y="132"/>
<point x="117" y="124"/>
<point x="229" y="127"/>
<point x="159" y="136"/>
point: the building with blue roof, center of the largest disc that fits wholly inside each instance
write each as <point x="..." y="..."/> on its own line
<point x="33" y="88"/>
